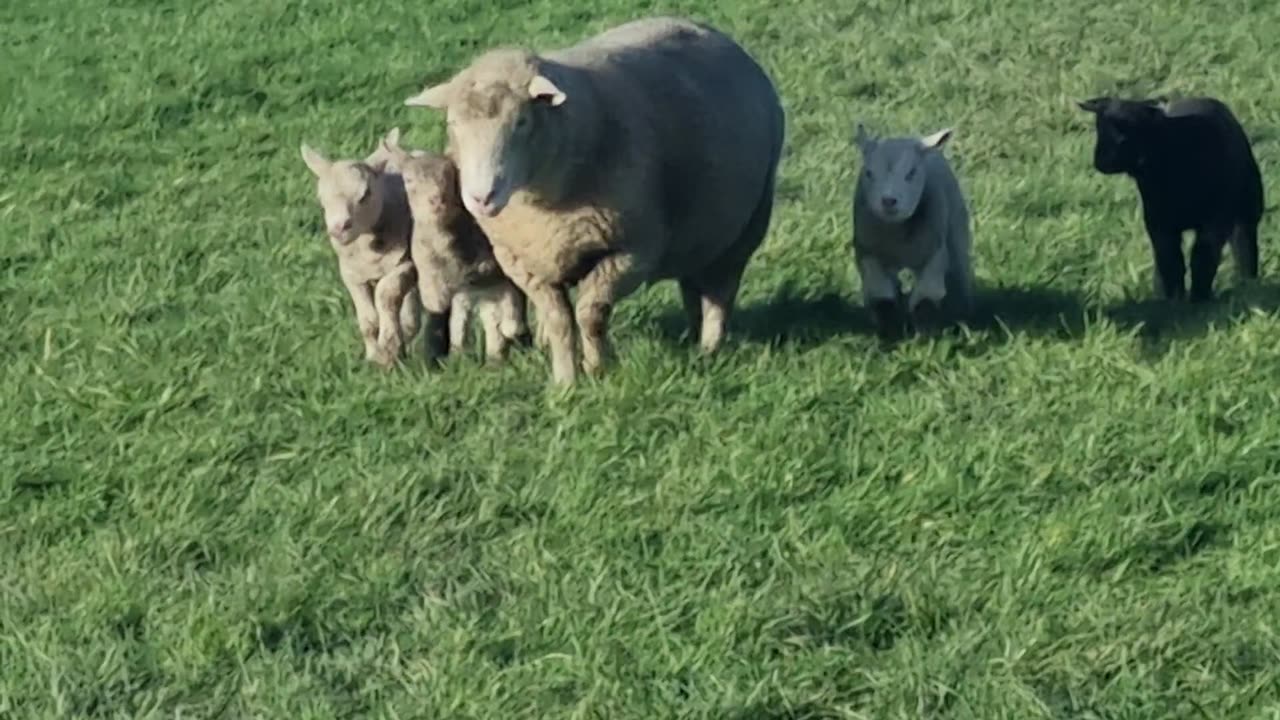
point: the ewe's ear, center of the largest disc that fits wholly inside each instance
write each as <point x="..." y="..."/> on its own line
<point x="1093" y="105"/>
<point x="315" y="161"/>
<point x="936" y="140"/>
<point x="862" y="138"/>
<point x="436" y="97"/>
<point x="542" y="89"/>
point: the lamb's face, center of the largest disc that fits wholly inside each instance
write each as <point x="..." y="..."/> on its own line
<point x="430" y="183"/>
<point x="348" y="193"/>
<point x="1123" y="129"/>
<point x="894" y="173"/>
<point x="497" y="114"/>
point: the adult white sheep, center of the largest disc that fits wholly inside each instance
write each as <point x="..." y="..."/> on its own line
<point x="645" y="153"/>
<point x="909" y="213"/>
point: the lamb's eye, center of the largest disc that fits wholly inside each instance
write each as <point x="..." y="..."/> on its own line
<point x="364" y="196"/>
<point x="867" y="172"/>
<point x="911" y="174"/>
<point x="522" y="122"/>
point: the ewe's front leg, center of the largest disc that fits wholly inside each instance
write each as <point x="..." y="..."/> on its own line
<point x="555" y="315"/>
<point x="880" y="294"/>
<point x="366" y="315"/>
<point x="613" y="278"/>
<point x="388" y="295"/>
<point x="925" y="303"/>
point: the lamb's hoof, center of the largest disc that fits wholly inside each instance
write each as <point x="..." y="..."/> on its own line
<point x="523" y="339"/>
<point x="888" y="320"/>
<point x="383" y="360"/>
<point x="928" y="318"/>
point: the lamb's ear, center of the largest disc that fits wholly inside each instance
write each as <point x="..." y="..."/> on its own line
<point x="936" y="140"/>
<point x="436" y="97"/>
<point x="541" y="88"/>
<point x="1093" y="105"/>
<point x="318" y="163"/>
<point x="862" y="138"/>
<point x="385" y="150"/>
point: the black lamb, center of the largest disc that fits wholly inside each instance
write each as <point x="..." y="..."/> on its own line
<point x="1195" y="171"/>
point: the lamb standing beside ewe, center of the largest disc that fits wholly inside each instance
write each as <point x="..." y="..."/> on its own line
<point x="909" y="213"/>
<point x="647" y="152"/>
<point x="367" y="217"/>
<point x="456" y="267"/>
<point x="1195" y="171"/>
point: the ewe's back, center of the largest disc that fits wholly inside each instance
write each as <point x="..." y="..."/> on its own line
<point x="694" y="110"/>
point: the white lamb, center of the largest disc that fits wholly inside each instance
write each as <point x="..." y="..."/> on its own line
<point x="369" y="225"/>
<point x="909" y="213"/>
<point x="456" y="268"/>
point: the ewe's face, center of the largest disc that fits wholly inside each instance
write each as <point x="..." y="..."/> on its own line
<point x="499" y="125"/>
<point x="894" y="173"/>
<point x="494" y="137"/>
<point x="348" y="193"/>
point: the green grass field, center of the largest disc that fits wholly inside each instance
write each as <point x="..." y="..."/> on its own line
<point x="211" y="507"/>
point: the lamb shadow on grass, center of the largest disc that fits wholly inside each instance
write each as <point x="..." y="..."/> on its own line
<point x="792" y="319"/>
<point x="1164" y="320"/>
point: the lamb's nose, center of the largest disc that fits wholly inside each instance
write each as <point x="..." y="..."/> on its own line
<point x="889" y="203"/>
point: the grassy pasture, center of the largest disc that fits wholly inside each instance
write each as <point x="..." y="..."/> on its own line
<point x="210" y="507"/>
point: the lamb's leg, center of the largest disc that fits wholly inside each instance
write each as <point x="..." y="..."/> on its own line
<point x="388" y="295"/>
<point x="555" y="315"/>
<point x="410" y="308"/>
<point x="513" y="314"/>
<point x="1244" y="246"/>
<point x="366" y="315"/>
<point x="613" y="278"/>
<point x="437" y="302"/>
<point x="1206" y="256"/>
<point x="691" y="297"/>
<point x="1170" y="269"/>
<point x="459" y="314"/>
<point x="925" y="302"/>
<point x="959" y="276"/>
<point x="880" y="293"/>
<point x="495" y="343"/>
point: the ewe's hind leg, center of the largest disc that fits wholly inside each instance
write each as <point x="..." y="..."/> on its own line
<point x="613" y="278"/>
<point x="555" y="315"/>
<point x="1206" y="255"/>
<point x="721" y="282"/>
<point x="1244" y="246"/>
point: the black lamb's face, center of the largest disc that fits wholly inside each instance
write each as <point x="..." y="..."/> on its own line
<point x="1125" y="129"/>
